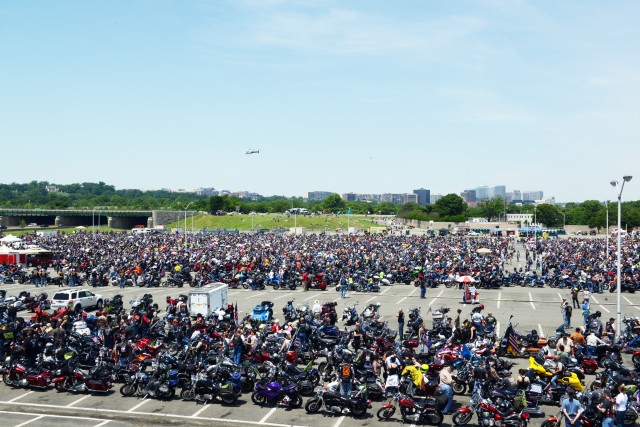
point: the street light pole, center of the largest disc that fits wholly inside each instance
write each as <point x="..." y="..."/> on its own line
<point x="185" y="217"/>
<point x="614" y="184"/>
<point x="535" y="231"/>
<point x="564" y="220"/>
<point x="606" y="205"/>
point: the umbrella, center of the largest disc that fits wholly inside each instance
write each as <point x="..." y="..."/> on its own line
<point x="465" y="279"/>
<point x="81" y="227"/>
<point x="484" y="251"/>
<point x="10" y="239"/>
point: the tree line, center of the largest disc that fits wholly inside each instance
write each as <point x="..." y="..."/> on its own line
<point x="450" y="208"/>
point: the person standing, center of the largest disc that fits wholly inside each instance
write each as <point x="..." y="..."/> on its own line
<point x="344" y="285"/>
<point x="392" y="367"/>
<point x="607" y="410"/>
<point x="400" y="325"/>
<point x="621" y="405"/>
<point x="446" y="379"/>
<point x="572" y="409"/>
<point x="585" y="312"/>
<point x="574" y="297"/>
<point x="568" y="311"/>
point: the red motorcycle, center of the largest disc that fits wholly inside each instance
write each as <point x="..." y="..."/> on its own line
<point x="18" y="375"/>
<point x="490" y="415"/>
<point x="75" y="381"/>
<point x="429" y="412"/>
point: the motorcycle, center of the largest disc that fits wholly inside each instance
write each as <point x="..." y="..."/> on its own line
<point x="204" y="390"/>
<point x="75" y="381"/>
<point x="333" y="402"/>
<point x="274" y="393"/>
<point x="18" y="375"/>
<point x="350" y="315"/>
<point x="490" y="415"/>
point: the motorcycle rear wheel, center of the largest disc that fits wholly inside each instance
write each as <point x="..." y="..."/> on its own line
<point x="276" y="286"/>
<point x="359" y="409"/>
<point x="462" y="418"/>
<point x="258" y="399"/>
<point x="229" y="398"/>
<point x="385" y="413"/>
<point x="435" y="418"/>
<point x="295" y="402"/>
<point x="313" y="405"/>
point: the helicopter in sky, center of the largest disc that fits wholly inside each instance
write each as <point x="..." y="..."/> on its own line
<point x="252" y="151"/>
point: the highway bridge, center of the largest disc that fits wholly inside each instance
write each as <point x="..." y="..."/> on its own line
<point x="124" y="219"/>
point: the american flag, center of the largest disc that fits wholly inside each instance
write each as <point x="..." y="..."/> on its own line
<point x="235" y="313"/>
<point x="513" y="341"/>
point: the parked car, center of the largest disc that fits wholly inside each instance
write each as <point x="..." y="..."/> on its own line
<point x="593" y="232"/>
<point x="3" y="227"/>
<point x="77" y="299"/>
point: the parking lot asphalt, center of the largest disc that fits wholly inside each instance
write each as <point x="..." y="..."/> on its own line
<point x="532" y="308"/>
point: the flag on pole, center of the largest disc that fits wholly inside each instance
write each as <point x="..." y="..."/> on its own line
<point x="235" y="313"/>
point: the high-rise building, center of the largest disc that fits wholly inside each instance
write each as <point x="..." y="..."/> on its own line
<point x="532" y="195"/>
<point x="482" y="193"/>
<point x="349" y="197"/>
<point x="318" y="195"/>
<point x="410" y="198"/>
<point x="434" y="198"/>
<point x="423" y="196"/>
<point x="499" y="191"/>
<point x="469" y="196"/>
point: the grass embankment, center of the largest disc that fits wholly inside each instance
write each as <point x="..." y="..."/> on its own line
<point x="271" y="221"/>
<point x="65" y="230"/>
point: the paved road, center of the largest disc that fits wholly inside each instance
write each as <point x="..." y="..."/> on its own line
<point x="536" y="308"/>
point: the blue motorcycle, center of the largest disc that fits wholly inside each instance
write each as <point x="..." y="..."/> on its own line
<point x="263" y="312"/>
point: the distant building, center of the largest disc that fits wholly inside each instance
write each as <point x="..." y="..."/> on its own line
<point x="434" y="198"/>
<point x="52" y="189"/>
<point x="469" y="196"/>
<point x="482" y="193"/>
<point x="499" y="191"/>
<point x="206" y="191"/>
<point x="410" y="198"/>
<point x="318" y="195"/>
<point x="523" y="219"/>
<point x="532" y="195"/>
<point x="349" y="197"/>
<point x="424" y="196"/>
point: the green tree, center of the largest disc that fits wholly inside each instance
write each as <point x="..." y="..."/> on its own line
<point x="333" y="203"/>
<point x="492" y="208"/>
<point x="450" y="205"/>
<point x="548" y="215"/>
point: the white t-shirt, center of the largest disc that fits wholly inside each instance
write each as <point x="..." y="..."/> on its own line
<point x="621" y="402"/>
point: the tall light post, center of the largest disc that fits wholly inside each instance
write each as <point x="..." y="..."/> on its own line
<point x="564" y="220"/>
<point x="614" y="184"/>
<point x="185" y="216"/>
<point x="535" y="230"/>
<point x="606" y="206"/>
<point x="93" y="221"/>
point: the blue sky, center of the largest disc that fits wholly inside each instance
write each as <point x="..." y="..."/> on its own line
<point x="362" y="96"/>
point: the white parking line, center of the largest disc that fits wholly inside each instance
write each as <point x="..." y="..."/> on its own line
<point x="560" y="296"/>
<point x="540" y="329"/>
<point x="387" y="288"/>
<point x="497" y="329"/>
<point x="531" y="301"/>
<point x="399" y="301"/>
<point x="21" y="396"/>
<point x="439" y="295"/>
<point x="414" y="291"/>
<point x="499" y="298"/>
<point x="201" y="410"/>
<point x="138" y="405"/>
<point x="30" y="421"/>
<point x="340" y="420"/>
<point x="102" y="423"/>
<point x="266" y="417"/>
<point x="627" y="300"/>
<point x="78" y="401"/>
<point x="370" y="299"/>
<point x="594" y="299"/>
<point x="312" y="296"/>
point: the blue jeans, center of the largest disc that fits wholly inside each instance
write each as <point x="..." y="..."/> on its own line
<point x="620" y="418"/>
<point x="447" y="391"/>
<point x="423" y="291"/>
<point x="565" y="319"/>
<point x="576" y="424"/>
<point x="607" y="422"/>
<point x="343" y="290"/>
<point x="237" y="355"/>
<point x="345" y="388"/>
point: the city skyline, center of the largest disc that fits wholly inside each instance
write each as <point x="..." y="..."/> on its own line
<point x="156" y="94"/>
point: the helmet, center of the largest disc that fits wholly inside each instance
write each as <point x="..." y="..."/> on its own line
<point x="481" y="306"/>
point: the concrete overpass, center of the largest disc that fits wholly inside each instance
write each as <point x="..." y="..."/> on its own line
<point x="123" y="219"/>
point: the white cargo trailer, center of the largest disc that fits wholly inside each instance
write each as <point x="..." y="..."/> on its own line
<point x="206" y="299"/>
